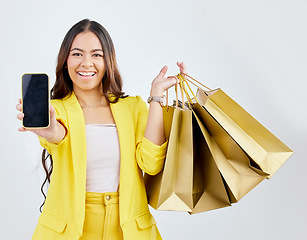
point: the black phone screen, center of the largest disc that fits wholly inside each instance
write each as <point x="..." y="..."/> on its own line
<point x="35" y="100"/>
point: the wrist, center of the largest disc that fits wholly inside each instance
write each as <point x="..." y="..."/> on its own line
<point x="57" y="132"/>
<point x="156" y="92"/>
<point x="157" y="99"/>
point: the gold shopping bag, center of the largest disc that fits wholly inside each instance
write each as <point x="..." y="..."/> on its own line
<point x="209" y="191"/>
<point x="190" y="180"/>
<point x="264" y="149"/>
<point x="237" y="170"/>
<point x="172" y="188"/>
<point x="231" y="154"/>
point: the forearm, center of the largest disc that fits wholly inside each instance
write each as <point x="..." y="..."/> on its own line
<point x="154" y="131"/>
<point x="155" y="127"/>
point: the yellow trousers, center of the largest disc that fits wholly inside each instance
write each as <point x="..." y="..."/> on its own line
<point x="102" y="217"/>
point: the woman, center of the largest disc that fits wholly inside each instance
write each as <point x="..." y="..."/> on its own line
<point x="100" y="141"/>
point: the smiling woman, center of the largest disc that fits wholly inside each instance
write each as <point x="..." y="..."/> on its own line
<point x="99" y="140"/>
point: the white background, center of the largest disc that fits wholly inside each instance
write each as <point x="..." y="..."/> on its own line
<point x="254" y="50"/>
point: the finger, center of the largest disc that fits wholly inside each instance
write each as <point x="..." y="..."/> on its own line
<point x="176" y="81"/>
<point x="20" y="116"/>
<point x="22" y="129"/>
<point x="179" y="64"/>
<point x="183" y="70"/>
<point x="52" y="111"/>
<point x="18" y="107"/>
<point x="182" y="67"/>
<point x="163" y="71"/>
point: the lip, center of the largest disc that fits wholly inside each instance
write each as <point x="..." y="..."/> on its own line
<point x="85" y="74"/>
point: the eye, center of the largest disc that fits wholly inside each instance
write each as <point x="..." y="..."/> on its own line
<point x="97" y="55"/>
<point x="76" y="54"/>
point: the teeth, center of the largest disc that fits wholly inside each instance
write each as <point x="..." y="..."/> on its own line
<point x="86" y="73"/>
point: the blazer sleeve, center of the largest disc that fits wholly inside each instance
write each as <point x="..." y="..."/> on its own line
<point x="150" y="157"/>
<point x="60" y="118"/>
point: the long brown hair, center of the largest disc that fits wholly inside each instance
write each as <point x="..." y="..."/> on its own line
<point x="111" y="81"/>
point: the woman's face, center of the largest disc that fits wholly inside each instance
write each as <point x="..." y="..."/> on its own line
<point x="85" y="62"/>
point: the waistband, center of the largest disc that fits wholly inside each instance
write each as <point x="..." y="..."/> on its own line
<point x="102" y="198"/>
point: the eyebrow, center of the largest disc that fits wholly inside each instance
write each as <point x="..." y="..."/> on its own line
<point x="81" y="50"/>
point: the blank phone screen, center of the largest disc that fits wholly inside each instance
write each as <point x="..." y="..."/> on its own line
<point x="35" y="100"/>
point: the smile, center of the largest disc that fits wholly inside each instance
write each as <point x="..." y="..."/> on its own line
<point x="86" y="74"/>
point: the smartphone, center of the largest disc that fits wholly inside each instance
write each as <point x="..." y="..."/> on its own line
<point x="35" y="100"/>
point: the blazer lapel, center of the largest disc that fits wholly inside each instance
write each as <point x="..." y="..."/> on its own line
<point x="125" y="129"/>
<point x="76" y="127"/>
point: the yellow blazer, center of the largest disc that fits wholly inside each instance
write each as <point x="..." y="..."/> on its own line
<point x="64" y="210"/>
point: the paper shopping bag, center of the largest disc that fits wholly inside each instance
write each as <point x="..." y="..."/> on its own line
<point x="237" y="170"/>
<point x="190" y="180"/>
<point x="209" y="191"/>
<point x="263" y="148"/>
<point x="171" y="189"/>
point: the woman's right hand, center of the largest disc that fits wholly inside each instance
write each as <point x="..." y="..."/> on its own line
<point x="54" y="133"/>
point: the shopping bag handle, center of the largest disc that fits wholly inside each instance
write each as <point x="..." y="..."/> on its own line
<point x="187" y="78"/>
<point x="176" y="90"/>
<point x="183" y="90"/>
<point x="183" y="82"/>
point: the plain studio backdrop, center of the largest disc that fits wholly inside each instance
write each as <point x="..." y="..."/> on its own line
<point x="255" y="50"/>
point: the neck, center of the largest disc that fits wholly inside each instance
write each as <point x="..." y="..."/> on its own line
<point x="92" y="98"/>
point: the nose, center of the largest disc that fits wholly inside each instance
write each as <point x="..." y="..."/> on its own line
<point x="87" y="62"/>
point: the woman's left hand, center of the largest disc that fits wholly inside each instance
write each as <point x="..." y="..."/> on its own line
<point x="160" y="84"/>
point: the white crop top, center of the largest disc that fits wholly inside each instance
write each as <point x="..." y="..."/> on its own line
<point x="103" y="158"/>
